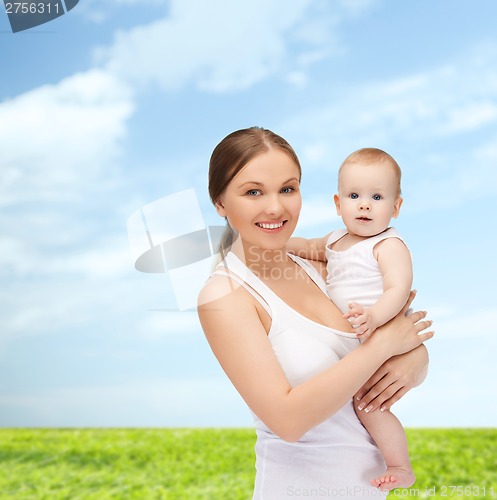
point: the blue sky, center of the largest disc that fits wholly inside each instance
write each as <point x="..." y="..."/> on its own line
<point x="120" y="103"/>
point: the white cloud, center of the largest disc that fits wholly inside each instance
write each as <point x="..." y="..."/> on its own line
<point x="59" y="158"/>
<point x="316" y="155"/>
<point x="297" y="79"/>
<point x="456" y="392"/>
<point x="219" y="45"/>
<point x="60" y="139"/>
<point x="100" y="11"/>
<point x="15" y="257"/>
<point x="137" y="2"/>
<point x="62" y="304"/>
<point x="159" y="324"/>
<point x="474" y="325"/>
<point x="415" y="114"/>
<point x="49" y="244"/>
<point x="103" y="260"/>
<point x="460" y="175"/>
<point x="470" y="116"/>
<point x="357" y="7"/>
<point x="318" y="211"/>
<point x="421" y="105"/>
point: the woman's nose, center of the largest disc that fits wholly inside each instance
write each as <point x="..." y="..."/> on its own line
<point x="274" y="206"/>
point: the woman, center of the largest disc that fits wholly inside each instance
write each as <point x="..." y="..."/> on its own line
<point x="282" y="342"/>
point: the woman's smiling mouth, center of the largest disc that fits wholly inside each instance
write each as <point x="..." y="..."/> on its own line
<point x="270" y="226"/>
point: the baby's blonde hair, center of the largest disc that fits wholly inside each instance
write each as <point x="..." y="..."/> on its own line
<point x="367" y="156"/>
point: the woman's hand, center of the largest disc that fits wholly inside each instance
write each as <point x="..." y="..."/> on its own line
<point x="400" y="373"/>
<point x="402" y="333"/>
<point x="393" y="379"/>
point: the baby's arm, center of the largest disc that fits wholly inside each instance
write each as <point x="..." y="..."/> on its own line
<point x="395" y="264"/>
<point x="312" y="248"/>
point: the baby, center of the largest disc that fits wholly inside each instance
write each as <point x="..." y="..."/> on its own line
<point x="369" y="278"/>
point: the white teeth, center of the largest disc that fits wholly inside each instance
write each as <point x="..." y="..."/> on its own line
<point x="269" y="226"/>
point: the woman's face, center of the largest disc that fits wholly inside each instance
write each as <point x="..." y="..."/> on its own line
<point x="262" y="202"/>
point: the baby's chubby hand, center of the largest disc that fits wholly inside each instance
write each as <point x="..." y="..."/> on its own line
<point x="361" y="320"/>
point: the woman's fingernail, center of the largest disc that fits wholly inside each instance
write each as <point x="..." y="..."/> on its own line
<point x="369" y="408"/>
<point x="359" y="397"/>
<point x="383" y="408"/>
<point x="361" y="406"/>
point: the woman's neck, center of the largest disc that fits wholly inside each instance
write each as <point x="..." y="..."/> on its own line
<point x="260" y="260"/>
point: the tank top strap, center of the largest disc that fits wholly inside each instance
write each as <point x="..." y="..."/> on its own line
<point x="391" y="232"/>
<point x="335" y="236"/>
<point x="234" y="269"/>
<point x="311" y="271"/>
<point x="366" y="244"/>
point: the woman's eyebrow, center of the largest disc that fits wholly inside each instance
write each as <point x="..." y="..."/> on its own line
<point x="251" y="182"/>
<point x="256" y="183"/>
<point x="291" y="179"/>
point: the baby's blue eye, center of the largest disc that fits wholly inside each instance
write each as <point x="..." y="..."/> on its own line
<point x="354" y="196"/>
<point x="377" y="197"/>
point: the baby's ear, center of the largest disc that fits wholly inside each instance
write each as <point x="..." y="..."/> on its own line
<point x="336" y="199"/>
<point x="396" y="207"/>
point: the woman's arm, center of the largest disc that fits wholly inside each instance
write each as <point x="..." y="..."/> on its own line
<point x="308" y="248"/>
<point x="394" y="378"/>
<point x="239" y="341"/>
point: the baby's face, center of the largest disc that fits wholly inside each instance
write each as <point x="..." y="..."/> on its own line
<point x="368" y="197"/>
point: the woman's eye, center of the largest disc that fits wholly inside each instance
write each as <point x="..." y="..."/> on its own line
<point x="253" y="192"/>
<point x="354" y="196"/>
<point x="288" y="189"/>
<point x="377" y="197"/>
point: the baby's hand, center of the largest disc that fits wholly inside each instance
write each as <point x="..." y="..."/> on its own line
<point x="361" y="319"/>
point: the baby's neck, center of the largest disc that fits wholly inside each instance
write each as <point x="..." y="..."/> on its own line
<point x="350" y="239"/>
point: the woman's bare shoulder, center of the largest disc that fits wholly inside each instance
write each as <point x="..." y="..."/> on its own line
<point x="222" y="291"/>
<point x="225" y="307"/>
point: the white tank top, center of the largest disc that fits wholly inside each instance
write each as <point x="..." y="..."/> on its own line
<point x="354" y="274"/>
<point x="337" y="458"/>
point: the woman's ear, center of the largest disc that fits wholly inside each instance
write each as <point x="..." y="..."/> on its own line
<point x="336" y="199"/>
<point x="396" y="207"/>
<point x="220" y="208"/>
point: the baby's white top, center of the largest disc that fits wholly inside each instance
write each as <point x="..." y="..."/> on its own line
<point x="354" y="274"/>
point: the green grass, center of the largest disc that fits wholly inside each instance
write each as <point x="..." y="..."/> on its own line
<point x="452" y="463"/>
<point x="208" y="463"/>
